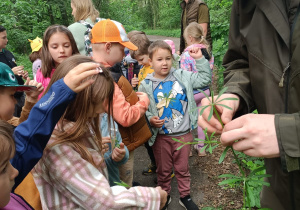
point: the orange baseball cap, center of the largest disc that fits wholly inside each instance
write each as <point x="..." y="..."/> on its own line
<point x="111" y="31"/>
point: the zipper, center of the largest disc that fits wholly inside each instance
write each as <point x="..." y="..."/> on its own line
<point x="282" y="76"/>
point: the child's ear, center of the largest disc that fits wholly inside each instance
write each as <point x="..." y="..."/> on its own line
<point x="150" y="61"/>
<point x="108" y="46"/>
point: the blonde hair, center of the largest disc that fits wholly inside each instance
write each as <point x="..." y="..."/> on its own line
<point x="159" y="44"/>
<point x="139" y="39"/>
<point x="195" y="30"/>
<point x="77" y="111"/>
<point x="85" y="9"/>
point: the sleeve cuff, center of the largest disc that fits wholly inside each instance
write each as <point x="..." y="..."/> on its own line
<point x="287" y="131"/>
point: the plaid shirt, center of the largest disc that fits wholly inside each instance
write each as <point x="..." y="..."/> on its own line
<point x="67" y="181"/>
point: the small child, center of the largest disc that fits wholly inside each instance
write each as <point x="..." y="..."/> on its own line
<point x="171" y="115"/>
<point x="72" y="173"/>
<point x="114" y="156"/>
<point x="35" y="56"/>
<point x="193" y="34"/>
<point x="140" y="39"/>
<point x="109" y="39"/>
<point x="32" y="135"/>
<point x="176" y="57"/>
<point x="58" y="44"/>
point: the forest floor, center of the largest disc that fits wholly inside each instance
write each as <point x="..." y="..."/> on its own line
<point x="205" y="191"/>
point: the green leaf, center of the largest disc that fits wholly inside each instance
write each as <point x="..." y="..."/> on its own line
<point x="221" y="92"/>
<point x="227" y="176"/>
<point x="204" y="94"/>
<point x="223" y="154"/>
<point x="227" y="107"/>
<point x="203" y="108"/>
<point x="230" y="181"/>
<point x="257" y="170"/>
<point x="228" y="99"/>
<point x="180" y="147"/>
<point x="122" y="184"/>
<point x="210" y="115"/>
<point x="174" y="139"/>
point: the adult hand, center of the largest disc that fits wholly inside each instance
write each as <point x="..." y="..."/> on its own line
<point x="74" y="78"/>
<point x="156" y="122"/>
<point x="134" y="81"/>
<point x="118" y="153"/>
<point x="32" y="95"/>
<point x="163" y="197"/>
<point x="18" y="70"/>
<point x="213" y="125"/>
<point x="252" y="134"/>
<point x="105" y="141"/>
<point x="195" y="52"/>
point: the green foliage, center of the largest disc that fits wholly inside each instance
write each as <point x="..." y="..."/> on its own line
<point x="163" y="32"/>
<point x="23" y="60"/>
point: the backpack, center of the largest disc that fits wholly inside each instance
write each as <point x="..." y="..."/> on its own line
<point x="87" y="41"/>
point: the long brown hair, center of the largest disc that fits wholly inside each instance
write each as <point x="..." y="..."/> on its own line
<point x="47" y="60"/>
<point x="7" y="149"/>
<point x="85" y="9"/>
<point x="77" y="111"/>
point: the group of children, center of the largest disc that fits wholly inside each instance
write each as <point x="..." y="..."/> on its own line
<point x="95" y="132"/>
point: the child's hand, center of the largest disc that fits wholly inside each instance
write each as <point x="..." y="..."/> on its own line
<point x="105" y="146"/>
<point x="32" y="95"/>
<point x="118" y="153"/>
<point x="163" y="197"/>
<point x="156" y="122"/>
<point x="134" y="81"/>
<point x="24" y="74"/>
<point x="142" y="96"/>
<point x="18" y="70"/>
<point x="74" y="78"/>
<point x="195" y="52"/>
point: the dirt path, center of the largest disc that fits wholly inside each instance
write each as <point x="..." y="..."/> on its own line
<point x="174" y="39"/>
<point x="204" y="171"/>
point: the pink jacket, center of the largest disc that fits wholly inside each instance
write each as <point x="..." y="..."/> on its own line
<point x="41" y="79"/>
<point x="125" y="114"/>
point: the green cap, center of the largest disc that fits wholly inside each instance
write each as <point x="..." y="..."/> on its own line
<point x="8" y="79"/>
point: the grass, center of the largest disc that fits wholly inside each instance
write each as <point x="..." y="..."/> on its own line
<point x="163" y="32"/>
<point x="23" y="60"/>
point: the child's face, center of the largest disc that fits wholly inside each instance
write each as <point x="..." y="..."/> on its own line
<point x="7" y="103"/>
<point x="59" y="47"/>
<point x="3" y="40"/>
<point x="73" y="9"/>
<point x="7" y="180"/>
<point x="143" y="60"/>
<point x="116" y="53"/>
<point x="161" y="62"/>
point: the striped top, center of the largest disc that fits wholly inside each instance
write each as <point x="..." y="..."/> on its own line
<point x="67" y="181"/>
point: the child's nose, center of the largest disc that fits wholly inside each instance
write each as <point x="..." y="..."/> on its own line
<point x="14" y="173"/>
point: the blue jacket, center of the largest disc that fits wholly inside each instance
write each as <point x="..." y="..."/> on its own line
<point x="32" y="136"/>
<point x="112" y="166"/>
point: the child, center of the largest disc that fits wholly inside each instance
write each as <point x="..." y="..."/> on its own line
<point x="72" y="173"/>
<point x="108" y="40"/>
<point x="32" y="135"/>
<point x="114" y="157"/>
<point x="176" y="57"/>
<point x="58" y="44"/>
<point x="140" y="39"/>
<point x="35" y="56"/>
<point x="193" y="35"/>
<point x="171" y="115"/>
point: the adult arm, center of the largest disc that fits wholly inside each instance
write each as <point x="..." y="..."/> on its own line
<point x="203" y="17"/>
<point x="32" y="136"/>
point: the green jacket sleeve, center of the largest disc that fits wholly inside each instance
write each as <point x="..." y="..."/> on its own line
<point x="288" y="136"/>
<point x="236" y="75"/>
